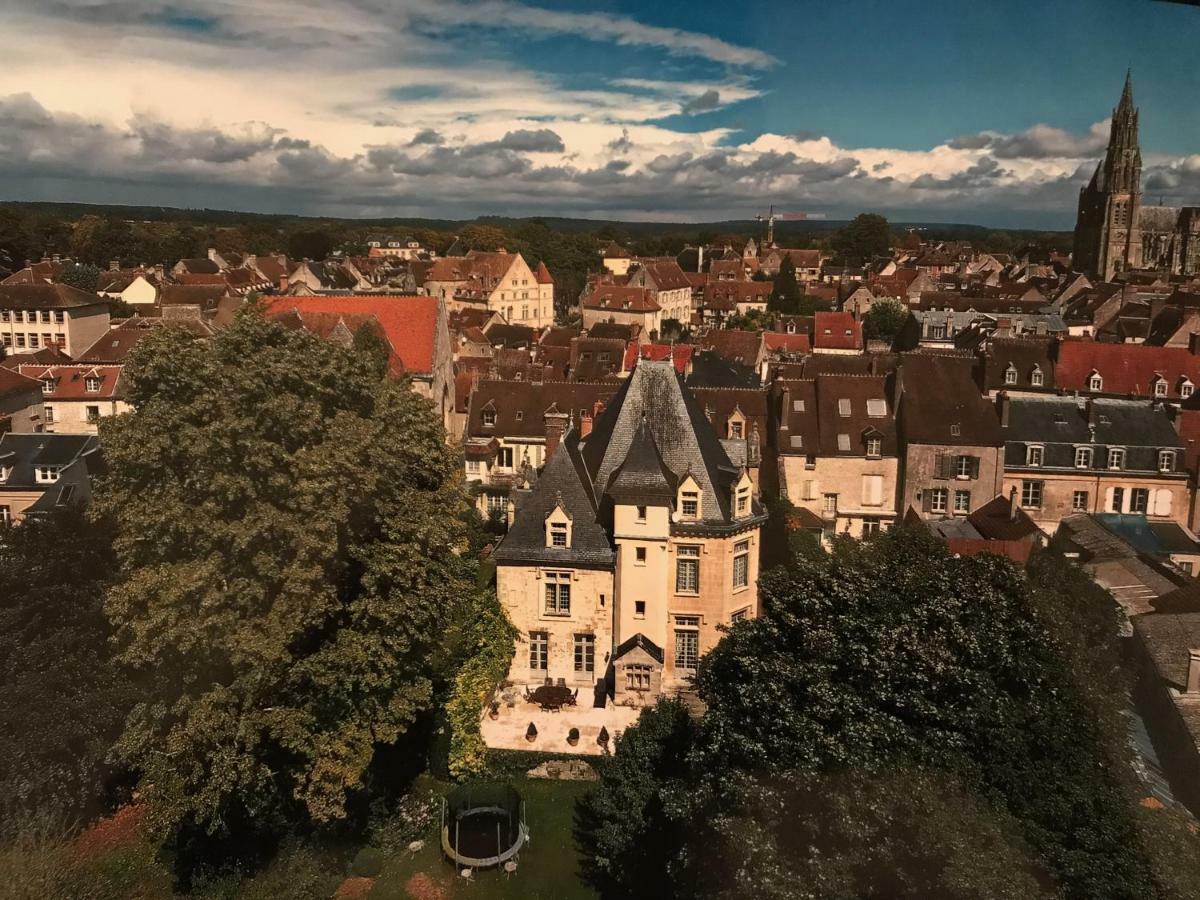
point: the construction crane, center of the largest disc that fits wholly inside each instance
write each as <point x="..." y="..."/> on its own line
<point x="771" y="216"/>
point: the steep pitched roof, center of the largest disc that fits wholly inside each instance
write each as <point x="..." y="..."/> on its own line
<point x="1125" y="368"/>
<point x="642" y="476"/>
<point x="941" y="404"/>
<point x="837" y="331"/>
<point x="562" y="483"/>
<point x="45" y="296"/>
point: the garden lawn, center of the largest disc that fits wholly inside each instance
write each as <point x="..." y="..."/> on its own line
<point x="548" y="867"/>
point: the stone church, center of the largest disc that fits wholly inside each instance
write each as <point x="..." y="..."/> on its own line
<point x="1113" y="230"/>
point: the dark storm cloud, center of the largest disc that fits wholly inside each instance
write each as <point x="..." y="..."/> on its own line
<point x="705" y="102"/>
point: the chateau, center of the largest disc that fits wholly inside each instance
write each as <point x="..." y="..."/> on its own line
<point x="1114" y="231"/>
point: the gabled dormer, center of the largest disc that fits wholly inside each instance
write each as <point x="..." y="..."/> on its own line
<point x="741" y="496"/>
<point x="689" y="500"/>
<point x="558" y="527"/>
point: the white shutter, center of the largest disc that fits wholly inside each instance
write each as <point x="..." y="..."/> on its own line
<point x="1108" y="500"/>
<point x="1162" y="502"/>
<point x="872" y="490"/>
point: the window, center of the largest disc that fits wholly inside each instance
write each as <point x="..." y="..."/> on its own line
<point x="1095" y="382"/>
<point x="964" y="467"/>
<point x="520" y="415"/>
<point x="58" y="316"/>
<point x="1010" y="374"/>
<point x="46" y="474"/>
<point x="48" y="413"/>
<point x="843" y="443"/>
<point x="91" y="384"/>
<point x="558" y="534"/>
<point x="637" y="677"/>
<point x="641" y="514"/>
<point x="4" y="470"/>
<point x="1160" y="388"/>
<point x="937" y="499"/>
<point x="19" y="316"/>
<point x="1079" y="501"/>
<point x="871" y="527"/>
<point x="1036" y="378"/>
<point x="5" y="515"/>
<point x="4" y="315"/>
<point x="472" y="466"/>
<point x="504" y="458"/>
<point x="639" y="555"/>
<point x="91" y="414"/>
<point x="797" y="406"/>
<point x="1139" y="501"/>
<point x="45" y="316"/>
<point x="691" y="504"/>
<point x="1034" y="454"/>
<point x="33" y="339"/>
<point x="1116" y="458"/>
<point x="497" y="503"/>
<point x="489" y="418"/>
<point x="20" y="339"/>
<point x="539" y="650"/>
<point x="687" y="570"/>
<point x="1083" y="457"/>
<point x="65" y="493"/>
<point x="1186" y="389"/>
<point x="962" y="501"/>
<point x="585" y="653"/>
<point x="687" y="649"/>
<point x="877" y="409"/>
<point x="741" y="564"/>
<point x="639" y="609"/>
<point x="1166" y="460"/>
<point x="48" y="386"/>
<point x="874" y="448"/>
<point x="1118" y="499"/>
<point x="844" y="407"/>
<point x="558" y="593"/>
<point x="1031" y="494"/>
<point x="743" y="501"/>
<point x="829" y="504"/>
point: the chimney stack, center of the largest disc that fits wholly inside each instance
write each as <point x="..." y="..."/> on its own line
<point x="585" y="425"/>
<point x="1193" y="672"/>
<point x="1012" y="504"/>
<point x="283" y="284"/>
<point x="556" y="424"/>
<point x="1003" y="402"/>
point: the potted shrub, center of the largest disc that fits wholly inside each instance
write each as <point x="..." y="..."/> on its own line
<point x="494" y="710"/>
<point x="573" y="736"/>
<point x="531" y="733"/>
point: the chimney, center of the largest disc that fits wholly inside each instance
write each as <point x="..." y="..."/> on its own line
<point x="597" y="408"/>
<point x="159" y="272"/>
<point x="1194" y="343"/>
<point x="585" y="426"/>
<point x="212" y="254"/>
<point x="556" y="424"/>
<point x="1003" y="402"/>
<point x="1193" y="672"/>
<point x="785" y="406"/>
<point x="1012" y="504"/>
<point x="283" y="284"/>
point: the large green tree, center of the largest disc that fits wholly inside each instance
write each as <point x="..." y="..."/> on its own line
<point x="884" y="320"/>
<point x="63" y="699"/>
<point x="786" y="294"/>
<point x="867" y="235"/>
<point x="286" y="523"/>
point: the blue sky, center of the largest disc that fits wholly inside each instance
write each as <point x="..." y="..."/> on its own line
<point x="991" y="113"/>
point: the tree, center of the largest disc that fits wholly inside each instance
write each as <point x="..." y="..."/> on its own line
<point x="81" y="275"/>
<point x="369" y="341"/>
<point x="884" y="320"/>
<point x="311" y="243"/>
<point x="64" y="699"/>
<point x="286" y="523"/>
<point x="786" y="295"/>
<point x="868" y="235"/>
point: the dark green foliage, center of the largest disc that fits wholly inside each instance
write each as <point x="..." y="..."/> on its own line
<point x="371" y="344"/>
<point x="81" y="275"/>
<point x="286" y="523"/>
<point x="310" y="243"/>
<point x="786" y="295"/>
<point x="884" y="320"/>
<point x="622" y="825"/>
<point x="63" y="700"/>
<point x="867" y="236"/>
<point x="368" y="863"/>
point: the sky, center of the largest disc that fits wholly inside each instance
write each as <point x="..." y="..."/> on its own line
<point x="937" y="111"/>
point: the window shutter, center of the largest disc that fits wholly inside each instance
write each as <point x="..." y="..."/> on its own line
<point x="974" y="466"/>
<point x="927" y="501"/>
<point x="939" y="465"/>
<point x="1108" y="499"/>
<point x="1162" y="502"/>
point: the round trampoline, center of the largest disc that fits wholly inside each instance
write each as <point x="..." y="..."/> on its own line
<point x="483" y="825"/>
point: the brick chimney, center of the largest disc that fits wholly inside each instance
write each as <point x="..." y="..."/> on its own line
<point x="1003" y="404"/>
<point x="283" y="284"/>
<point x="1193" y="673"/>
<point x="585" y="425"/>
<point x="556" y="424"/>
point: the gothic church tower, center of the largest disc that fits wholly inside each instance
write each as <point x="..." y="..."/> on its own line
<point x="1108" y="238"/>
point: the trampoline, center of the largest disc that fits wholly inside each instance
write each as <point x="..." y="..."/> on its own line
<point x="483" y="825"/>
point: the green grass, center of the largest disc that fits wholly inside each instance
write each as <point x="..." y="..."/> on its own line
<point x="548" y="868"/>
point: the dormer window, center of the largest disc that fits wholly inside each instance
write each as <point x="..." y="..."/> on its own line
<point x="558" y="534"/>
<point x="46" y="474"/>
<point x="1083" y="457"/>
<point x="489" y="418"/>
<point x="1166" y="460"/>
<point x="1160" y="387"/>
<point x="689" y="504"/>
<point x="1095" y="382"/>
<point x="1010" y="374"/>
<point x="874" y="448"/>
<point x="4" y="472"/>
<point x="1186" y="389"/>
<point x="92" y="384"/>
<point x="1036" y="378"/>
<point x="48" y="386"/>
<point x="742" y="501"/>
<point x="1034" y="455"/>
<point x="1116" y="458"/>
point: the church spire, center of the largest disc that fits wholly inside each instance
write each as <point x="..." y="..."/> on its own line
<point x="1125" y="107"/>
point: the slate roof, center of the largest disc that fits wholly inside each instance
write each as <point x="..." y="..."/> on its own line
<point x="642" y="476"/>
<point x="1060" y="424"/>
<point x="639" y="641"/>
<point x="22" y="452"/>
<point x="682" y="435"/>
<point x="1000" y="519"/>
<point x="45" y="296"/>
<point x="530" y="400"/>
<point x="735" y="346"/>
<point x="1168" y="638"/>
<point x="1026" y="355"/>
<point x="563" y="482"/>
<point x="836" y="394"/>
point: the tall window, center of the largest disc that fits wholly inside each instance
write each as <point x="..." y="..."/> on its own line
<point x="1034" y="454"/>
<point x="687" y="642"/>
<point x="1139" y="500"/>
<point x="1079" y="501"/>
<point x="1186" y="389"/>
<point x="91" y="414"/>
<point x="829" y="504"/>
<point x="687" y="570"/>
<point x="539" y="650"/>
<point x="1083" y="457"/>
<point x="558" y="534"/>
<point x="1166" y="460"/>
<point x="1118" y="500"/>
<point x="5" y="516"/>
<point x="91" y="384"/>
<point x="964" y="466"/>
<point x="874" y="448"/>
<point x="585" y="653"/>
<point x="962" y="501"/>
<point x="735" y="430"/>
<point x="691" y="504"/>
<point x="743" y="501"/>
<point x="1035" y="377"/>
<point x="1160" y="388"/>
<point x="1031" y="494"/>
<point x="937" y="499"/>
<point x="1095" y="382"/>
<point x="1116" y="458"/>
<point x="489" y="417"/>
<point x="641" y="514"/>
<point x="1010" y="374"/>
<point x="558" y="593"/>
<point x="741" y="564"/>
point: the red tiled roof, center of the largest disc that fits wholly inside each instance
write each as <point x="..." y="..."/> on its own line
<point x="409" y="323"/>
<point x="614" y="297"/>
<point x="543" y="274"/>
<point x="790" y="343"/>
<point x="201" y="278"/>
<point x="679" y="354"/>
<point x="837" y="331"/>
<point x="14" y="384"/>
<point x="1125" y="368"/>
<point x="70" y="382"/>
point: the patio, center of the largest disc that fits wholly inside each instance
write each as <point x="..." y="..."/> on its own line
<point x="508" y="730"/>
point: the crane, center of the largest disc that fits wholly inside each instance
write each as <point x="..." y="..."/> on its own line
<point x="771" y="216"/>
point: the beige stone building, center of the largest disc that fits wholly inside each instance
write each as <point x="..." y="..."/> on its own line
<point x="669" y="286"/>
<point x="20" y="402"/>
<point x="34" y="316"/>
<point x="76" y="397"/>
<point x="624" y="305"/>
<point x="498" y="281"/>
<point x="635" y="544"/>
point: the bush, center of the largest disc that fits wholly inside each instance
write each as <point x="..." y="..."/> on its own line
<point x="368" y="863"/>
<point x="412" y="818"/>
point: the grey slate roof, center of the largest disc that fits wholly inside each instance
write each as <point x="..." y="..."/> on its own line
<point x="564" y="481"/>
<point x="684" y="439"/>
<point x="45" y="296"/>
<point x="1061" y="423"/>
<point x="642" y="475"/>
<point x="640" y="640"/>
